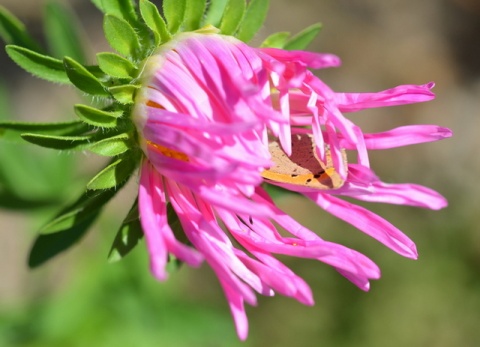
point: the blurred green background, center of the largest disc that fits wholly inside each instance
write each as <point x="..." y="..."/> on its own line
<point x="78" y="299"/>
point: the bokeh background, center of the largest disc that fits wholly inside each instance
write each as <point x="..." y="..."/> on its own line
<point x="77" y="299"/>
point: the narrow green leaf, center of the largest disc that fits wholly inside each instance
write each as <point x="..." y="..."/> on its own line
<point x="113" y="175"/>
<point x="83" y="79"/>
<point x="62" y="32"/>
<point x="37" y="64"/>
<point x="214" y="13"/>
<point x="12" y="130"/>
<point x="120" y="8"/>
<point x="56" y="141"/>
<point x="112" y="146"/>
<point x="121" y="36"/>
<point x="68" y="226"/>
<point x="45" y="247"/>
<point x="87" y="205"/>
<point x="253" y="19"/>
<point x="194" y="14"/>
<point x="154" y="21"/>
<point x="174" y="12"/>
<point x="304" y="38"/>
<point x="128" y="236"/>
<point x="232" y="16"/>
<point x="12" y="31"/>
<point x="277" y="40"/>
<point x="124" y="94"/>
<point x="97" y="117"/>
<point x="116" y="66"/>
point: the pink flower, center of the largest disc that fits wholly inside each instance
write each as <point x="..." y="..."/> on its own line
<point x="207" y="110"/>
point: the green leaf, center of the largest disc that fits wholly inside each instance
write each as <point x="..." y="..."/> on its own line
<point x="253" y="19"/>
<point x="121" y="36"/>
<point x="304" y="38"/>
<point x="83" y="79"/>
<point x="87" y="205"/>
<point x="174" y="12"/>
<point x="57" y="142"/>
<point x="277" y="40"/>
<point x="13" y="130"/>
<point x="37" y="64"/>
<point x="97" y="117"/>
<point x="119" y="8"/>
<point x="112" y="146"/>
<point x="45" y="247"/>
<point x="113" y="175"/>
<point x="193" y="14"/>
<point x="12" y="31"/>
<point x="68" y="226"/>
<point x="62" y="32"/>
<point x="128" y="236"/>
<point x="154" y="21"/>
<point x="215" y="12"/>
<point x="232" y="16"/>
<point x="116" y="66"/>
<point x="124" y="94"/>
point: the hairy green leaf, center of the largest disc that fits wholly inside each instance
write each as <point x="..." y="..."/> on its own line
<point x="112" y="146"/>
<point x="37" y="64"/>
<point x="253" y="19"/>
<point x="154" y="21"/>
<point x="56" y="141"/>
<point x="116" y="66"/>
<point x="277" y="40"/>
<point x="113" y="175"/>
<point x="214" y="12"/>
<point x="303" y="38"/>
<point x="120" y="8"/>
<point x="12" y="130"/>
<point x="193" y="14"/>
<point x="97" y="117"/>
<point x="174" y="12"/>
<point x="232" y="16"/>
<point x="124" y="94"/>
<point x="12" y="31"/>
<point x="63" y="32"/>
<point x="83" y="79"/>
<point x="121" y="36"/>
<point x="128" y="236"/>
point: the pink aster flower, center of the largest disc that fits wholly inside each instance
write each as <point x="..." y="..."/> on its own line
<point x="207" y="111"/>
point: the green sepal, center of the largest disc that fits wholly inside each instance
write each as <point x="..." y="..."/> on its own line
<point x="120" y="8"/>
<point x="174" y="12"/>
<point x="37" y="64"/>
<point x="68" y="226"/>
<point x="96" y="117"/>
<point x="12" y="131"/>
<point x="124" y="94"/>
<point x="253" y="19"/>
<point x="112" y="146"/>
<point x="63" y="32"/>
<point x="116" y="66"/>
<point x="303" y="38"/>
<point x="154" y="21"/>
<point x="121" y="36"/>
<point x="83" y="79"/>
<point x="114" y="174"/>
<point x="175" y="225"/>
<point x="277" y="40"/>
<point x="57" y="142"/>
<point x="13" y="32"/>
<point x="193" y="14"/>
<point x="214" y="13"/>
<point x="128" y="236"/>
<point x="232" y="16"/>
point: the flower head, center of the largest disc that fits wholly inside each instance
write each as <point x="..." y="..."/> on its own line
<point x="208" y="112"/>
